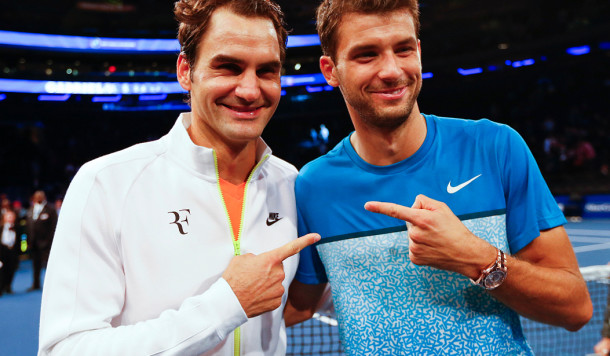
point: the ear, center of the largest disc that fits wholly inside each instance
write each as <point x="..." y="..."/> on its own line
<point x="183" y="72"/>
<point x="327" y="67"/>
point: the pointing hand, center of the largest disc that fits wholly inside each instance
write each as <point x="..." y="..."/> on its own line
<point x="437" y="237"/>
<point x="257" y="280"/>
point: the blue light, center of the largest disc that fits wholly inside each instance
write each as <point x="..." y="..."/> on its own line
<point x="106" y="99"/>
<point x="94" y="88"/>
<point x="50" y="97"/>
<point x="283" y="92"/>
<point x="604" y="45"/>
<point x="311" y="89"/>
<point x="470" y="71"/>
<point x="507" y="62"/>
<point x="2" y="97"/>
<point x="110" y="45"/>
<point x="427" y="75"/>
<point x="303" y="41"/>
<point x="302" y="79"/>
<point x="152" y="97"/>
<point x="329" y="88"/>
<point x="159" y="107"/>
<point x="523" y="63"/>
<point x="124" y="88"/>
<point x="492" y="68"/>
<point x="578" y="51"/>
<point x="299" y="98"/>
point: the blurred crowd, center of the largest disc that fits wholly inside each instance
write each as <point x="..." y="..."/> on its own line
<point x="26" y="233"/>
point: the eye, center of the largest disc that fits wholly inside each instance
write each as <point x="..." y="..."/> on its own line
<point x="267" y="71"/>
<point x="229" y="67"/>
<point x="365" y="57"/>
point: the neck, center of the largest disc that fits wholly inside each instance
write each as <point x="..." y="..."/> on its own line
<point x="383" y="146"/>
<point x="235" y="160"/>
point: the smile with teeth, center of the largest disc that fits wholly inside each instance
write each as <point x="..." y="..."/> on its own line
<point x="243" y="110"/>
<point x="390" y="93"/>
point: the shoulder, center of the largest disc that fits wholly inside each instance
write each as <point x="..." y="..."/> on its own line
<point x="327" y="164"/>
<point x="480" y="126"/>
<point x="281" y="168"/>
<point x="126" y="163"/>
<point x="483" y="131"/>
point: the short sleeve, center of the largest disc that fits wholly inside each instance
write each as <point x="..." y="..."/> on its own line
<point x="530" y="206"/>
<point x="310" y="270"/>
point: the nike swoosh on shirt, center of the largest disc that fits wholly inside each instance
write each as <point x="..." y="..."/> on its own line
<point x="455" y="189"/>
<point x="272" y="221"/>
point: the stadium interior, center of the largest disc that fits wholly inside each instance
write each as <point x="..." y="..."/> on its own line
<point x="540" y="67"/>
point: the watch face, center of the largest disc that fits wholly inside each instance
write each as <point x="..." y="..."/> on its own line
<point x="494" y="279"/>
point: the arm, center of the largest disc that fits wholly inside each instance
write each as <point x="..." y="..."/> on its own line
<point x="543" y="283"/>
<point x="303" y="301"/>
<point x="84" y="292"/>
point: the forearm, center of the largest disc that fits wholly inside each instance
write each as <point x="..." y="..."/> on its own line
<point x="197" y="326"/>
<point x="293" y="316"/>
<point x="549" y="295"/>
<point x="303" y="301"/>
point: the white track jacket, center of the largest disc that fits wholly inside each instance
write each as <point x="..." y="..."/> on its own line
<point x="140" y="247"/>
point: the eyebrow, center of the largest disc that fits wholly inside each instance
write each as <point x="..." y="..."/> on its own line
<point x="368" y="47"/>
<point x="222" y="58"/>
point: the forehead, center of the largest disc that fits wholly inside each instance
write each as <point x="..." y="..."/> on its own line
<point x="361" y="29"/>
<point x="228" y="31"/>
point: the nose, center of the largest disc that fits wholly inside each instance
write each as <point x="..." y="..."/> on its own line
<point x="248" y="87"/>
<point x="390" y="68"/>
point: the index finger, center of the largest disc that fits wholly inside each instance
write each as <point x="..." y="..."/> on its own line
<point x="294" y="246"/>
<point x="393" y="210"/>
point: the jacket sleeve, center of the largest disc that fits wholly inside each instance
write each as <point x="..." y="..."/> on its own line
<point x="84" y="292"/>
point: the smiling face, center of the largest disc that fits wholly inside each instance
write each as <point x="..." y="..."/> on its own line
<point x="377" y="66"/>
<point x="235" y="82"/>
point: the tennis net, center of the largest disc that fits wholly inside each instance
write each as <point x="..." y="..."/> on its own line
<point x="320" y="335"/>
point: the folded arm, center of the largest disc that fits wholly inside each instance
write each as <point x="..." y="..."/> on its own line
<point x="543" y="280"/>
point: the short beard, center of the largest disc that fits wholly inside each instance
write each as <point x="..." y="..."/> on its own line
<point x="390" y="121"/>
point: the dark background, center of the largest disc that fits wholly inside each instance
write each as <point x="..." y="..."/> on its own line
<point x="559" y="104"/>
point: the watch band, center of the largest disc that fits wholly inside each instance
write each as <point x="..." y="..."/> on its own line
<point x="498" y="268"/>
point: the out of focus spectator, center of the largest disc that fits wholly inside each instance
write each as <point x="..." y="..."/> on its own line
<point x="9" y="250"/>
<point x="41" y="222"/>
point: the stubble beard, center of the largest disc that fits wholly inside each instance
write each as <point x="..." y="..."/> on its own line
<point x="382" y="119"/>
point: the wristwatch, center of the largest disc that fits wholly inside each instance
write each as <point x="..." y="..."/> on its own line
<point x="493" y="276"/>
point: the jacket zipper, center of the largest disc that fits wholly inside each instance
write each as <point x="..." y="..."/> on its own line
<point x="236" y="241"/>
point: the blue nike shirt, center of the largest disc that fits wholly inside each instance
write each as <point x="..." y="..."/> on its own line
<point x="387" y="305"/>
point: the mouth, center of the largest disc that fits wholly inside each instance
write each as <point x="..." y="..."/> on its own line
<point x="243" y="112"/>
<point x="391" y="93"/>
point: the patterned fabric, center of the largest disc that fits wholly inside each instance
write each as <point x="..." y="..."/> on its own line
<point x="372" y="277"/>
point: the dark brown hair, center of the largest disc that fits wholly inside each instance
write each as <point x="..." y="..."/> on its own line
<point x="194" y="16"/>
<point x="331" y="12"/>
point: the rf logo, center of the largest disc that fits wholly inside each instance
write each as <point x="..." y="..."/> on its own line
<point x="180" y="218"/>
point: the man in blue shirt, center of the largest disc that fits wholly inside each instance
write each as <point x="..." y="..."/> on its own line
<point x="483" y="240"/>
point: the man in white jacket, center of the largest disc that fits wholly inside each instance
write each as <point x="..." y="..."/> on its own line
<point x="185" y="245"/>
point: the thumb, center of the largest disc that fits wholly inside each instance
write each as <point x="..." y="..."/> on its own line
<point x="423" y="202"/>
<point x="294" y="246"/>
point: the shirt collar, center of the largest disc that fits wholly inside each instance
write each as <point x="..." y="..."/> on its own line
<point x="199" y="158"/>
